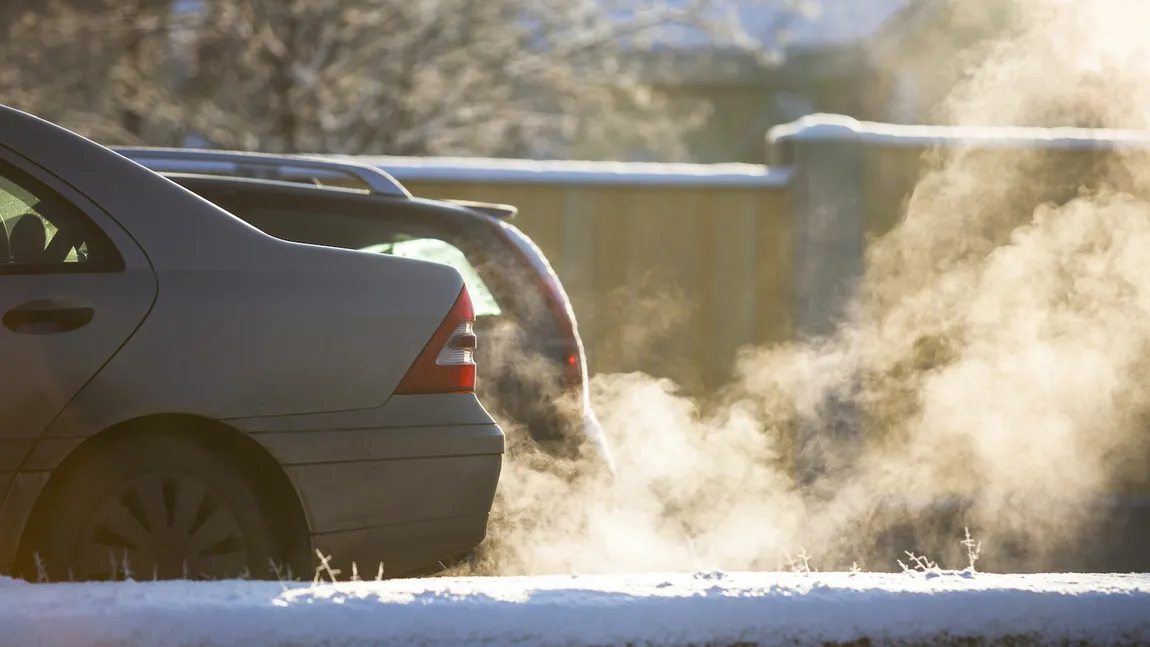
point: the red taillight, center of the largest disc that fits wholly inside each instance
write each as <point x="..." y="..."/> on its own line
<point x="574" y="372"/>
<point x="447" y="363"/>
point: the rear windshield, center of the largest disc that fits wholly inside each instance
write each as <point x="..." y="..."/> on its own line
<point x="394" y="236"/>
<point x="438" y="250"/>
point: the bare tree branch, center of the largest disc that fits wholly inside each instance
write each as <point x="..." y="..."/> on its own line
<point x="455" y="77"/>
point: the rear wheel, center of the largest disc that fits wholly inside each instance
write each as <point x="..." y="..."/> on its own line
<point x="157" y="507"/>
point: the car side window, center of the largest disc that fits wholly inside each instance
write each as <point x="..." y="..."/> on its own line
<point x="42" y="232"/>
<point x="439" y="251"/>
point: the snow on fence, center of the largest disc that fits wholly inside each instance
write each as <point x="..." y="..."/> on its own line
<point x="487" y="170"/>
<point x="829" y="127"/>
<point x="657" y="610"/>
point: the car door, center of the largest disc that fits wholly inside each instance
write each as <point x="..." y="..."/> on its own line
<point x="73" y="287"/>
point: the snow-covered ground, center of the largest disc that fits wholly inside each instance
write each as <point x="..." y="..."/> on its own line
<point x="660" y="609"/>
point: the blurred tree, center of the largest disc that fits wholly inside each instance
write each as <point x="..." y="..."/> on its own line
<point x="525" y="78"/>
<point x="93" y="65"/>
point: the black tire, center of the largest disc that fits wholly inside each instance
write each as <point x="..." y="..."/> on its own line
<point x="169" y="506"/>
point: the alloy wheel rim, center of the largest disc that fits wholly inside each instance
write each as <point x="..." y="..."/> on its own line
<point x="162" y="527"/>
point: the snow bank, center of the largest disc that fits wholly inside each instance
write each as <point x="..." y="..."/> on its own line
<point x="671" y="609"/>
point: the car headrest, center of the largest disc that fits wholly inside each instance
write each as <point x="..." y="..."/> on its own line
<point x="27" y="240"/>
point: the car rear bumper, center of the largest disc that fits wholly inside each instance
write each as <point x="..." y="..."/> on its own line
<point x="386" y="500"/>
<point x="404" y="550"/>
<point x="385" y="488"/>
<point x="406" y="513"/>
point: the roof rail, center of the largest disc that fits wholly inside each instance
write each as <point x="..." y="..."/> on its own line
<point x="297" y="168"/>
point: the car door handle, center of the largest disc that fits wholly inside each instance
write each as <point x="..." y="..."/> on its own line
<point x="47" y="316"/>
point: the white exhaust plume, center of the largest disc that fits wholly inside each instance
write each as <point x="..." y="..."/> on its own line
<point x="998" y="348"/>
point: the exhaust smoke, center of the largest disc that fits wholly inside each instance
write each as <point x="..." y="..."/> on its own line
<point x="998" y="348"/>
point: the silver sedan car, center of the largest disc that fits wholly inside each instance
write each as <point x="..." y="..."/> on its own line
<point x="185" y="396"/>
